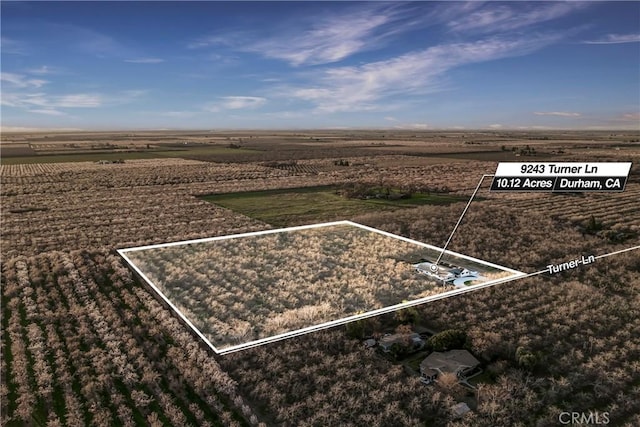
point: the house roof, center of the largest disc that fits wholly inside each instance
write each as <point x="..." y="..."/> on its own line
<point x="449" y="361"/>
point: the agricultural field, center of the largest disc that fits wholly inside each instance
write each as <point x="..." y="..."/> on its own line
<point x="86" y="342"/>
<point x="299" y="206"/>
<point x="240" y="290"/>
<point x="46" y="156"/>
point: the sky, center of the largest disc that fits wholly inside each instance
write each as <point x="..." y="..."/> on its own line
<point x="320" y="65"/>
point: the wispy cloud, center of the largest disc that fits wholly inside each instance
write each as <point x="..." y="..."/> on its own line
<point x="500" y="17"/>
<point x="236" y="103"/>
<point x="80" y="100"/>
<point x="49" y="112"/>
<point x="557" y="113"/>
<point x="22" y="81"/>
<point x="44" y="70"/>
<point x="12" y="46"/>
<point x="239" y="102"/>
<point x="359" y="88"/>
<point x="328" y="41"/>
<point x="616" y="39"/>
<point x="325" y="39"/>
<point x="145" y="60"/>
<point x="44" y="103"/>
<point x="331" y="39"/>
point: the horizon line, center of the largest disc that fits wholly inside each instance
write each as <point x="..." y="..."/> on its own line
<point x="17" y="130"/>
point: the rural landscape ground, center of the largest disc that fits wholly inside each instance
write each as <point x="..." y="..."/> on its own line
<point x="85" y="342"/>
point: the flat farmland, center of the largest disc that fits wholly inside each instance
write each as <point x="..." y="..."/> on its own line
<point x="86" y="342"/>
<point x="298" y="206"/>
<point x="215" y="152"/>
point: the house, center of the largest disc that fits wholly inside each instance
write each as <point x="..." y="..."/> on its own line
<point x="460" y="362"/>
<point x="413" y="341"/>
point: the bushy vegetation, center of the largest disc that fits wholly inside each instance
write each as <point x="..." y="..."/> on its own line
<point x="447" y="340"/>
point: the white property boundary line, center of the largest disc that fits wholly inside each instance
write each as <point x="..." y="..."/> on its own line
<point x="516" y="275"/>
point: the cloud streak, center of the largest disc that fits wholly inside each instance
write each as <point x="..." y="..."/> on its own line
<point x="328" y="39"/>
<point x="236" y="103"/>
<point x="44" y="103"/>
<point x="49" y="112"/>
<point x="11" y="46"/>
<point x="21" y="81"/>
<point x="557" y="113"/>
<point x="616" y="39"/>
<point x="43" y="70"/>
<point x="359" y="88"/>
<point x="332" y="39"/>
<point x="496" y="18"/>
<point x="144" y="60"/>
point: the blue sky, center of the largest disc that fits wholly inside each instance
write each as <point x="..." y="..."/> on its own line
<point x="281" y="65"/>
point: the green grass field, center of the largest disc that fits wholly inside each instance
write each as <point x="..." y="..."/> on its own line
<point x="297" y="206"/>
<point x="80" y="157"/>
<point x="186" y="153"/>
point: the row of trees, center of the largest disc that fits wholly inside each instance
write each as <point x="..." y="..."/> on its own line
<point x="614" y="211"/>
<point x="31" y="179"/>
<point x="84" y="345"/>
<point x="115" y="218"/>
